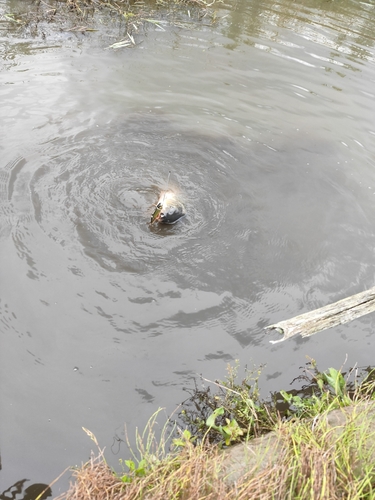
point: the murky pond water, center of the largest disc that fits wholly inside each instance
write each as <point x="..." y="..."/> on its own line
<point x="266" y="121"/>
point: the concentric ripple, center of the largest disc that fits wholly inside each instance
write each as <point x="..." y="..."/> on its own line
<point x="98" y="191"/>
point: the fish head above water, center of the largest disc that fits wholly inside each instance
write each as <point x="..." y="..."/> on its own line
<point x="168" y="209"/>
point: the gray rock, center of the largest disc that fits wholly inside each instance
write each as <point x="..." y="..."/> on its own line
<point x="252" y="457"/>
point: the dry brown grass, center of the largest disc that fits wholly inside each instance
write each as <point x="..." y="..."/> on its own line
<point x="327" y="455"/>
<point x="191" y="475"/>
<point x="313" y="462"/>
<point x="196" y="474"/>
<point x="94" y="480"/>
<point x="110" y="18"/>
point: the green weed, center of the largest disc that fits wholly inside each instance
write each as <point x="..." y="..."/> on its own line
<point x="307" y="459"/>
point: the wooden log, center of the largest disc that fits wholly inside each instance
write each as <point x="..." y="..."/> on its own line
<point x="325" y="317"/>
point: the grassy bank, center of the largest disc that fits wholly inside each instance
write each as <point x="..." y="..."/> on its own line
<point x="124" y="20"/>
<point x="318" y="443"/>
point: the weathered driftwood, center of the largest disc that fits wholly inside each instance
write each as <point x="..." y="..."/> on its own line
<point x="334" y="314"/>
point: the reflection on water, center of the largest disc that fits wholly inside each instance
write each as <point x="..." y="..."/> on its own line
<point x="345" y="28"/>
<point x="265" y="119"/>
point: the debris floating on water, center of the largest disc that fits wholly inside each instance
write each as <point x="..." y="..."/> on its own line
<point x="325" y="317"/>
<point x="168" y="209"/>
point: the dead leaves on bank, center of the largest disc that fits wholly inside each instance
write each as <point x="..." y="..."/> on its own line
<point x="46" y="17"/>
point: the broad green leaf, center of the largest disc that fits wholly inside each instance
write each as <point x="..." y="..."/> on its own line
<point x="130" y="464"/>
<point x="210" y="422"/>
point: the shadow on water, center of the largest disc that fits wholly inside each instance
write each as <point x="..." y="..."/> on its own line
<point x="18" y="491"/>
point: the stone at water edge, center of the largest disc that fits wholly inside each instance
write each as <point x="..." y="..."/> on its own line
<point x="258" y="454"/>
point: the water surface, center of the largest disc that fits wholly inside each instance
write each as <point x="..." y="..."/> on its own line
<point x="265" y="119"/>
